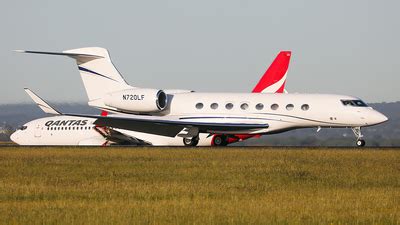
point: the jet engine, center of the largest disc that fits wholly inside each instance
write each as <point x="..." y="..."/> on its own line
<point x="137" y="100"/>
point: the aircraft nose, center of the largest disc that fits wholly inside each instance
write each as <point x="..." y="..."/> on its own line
<point x="379" y="118"/>
<point x="14" y="137"/>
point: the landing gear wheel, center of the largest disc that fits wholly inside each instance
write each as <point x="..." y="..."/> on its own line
<point x="357" y="131"/>
<point x="190" y="141"/>
<point x="220" y="140"/>
<point x="360" y="143"/>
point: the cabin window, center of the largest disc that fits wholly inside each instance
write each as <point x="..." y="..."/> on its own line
<point x="274" y="106"/>
<point x="356" y="103"/>
<point x="244" y="106"/>
<point x="229" y="106"/>
<point x="289" y="107"/>
<point x="22" y="128"/>
<point x="214" y="106"/>
<point x="199" y="105"/>
<point x="305" y="107"/>
<point x="259" y="106"/>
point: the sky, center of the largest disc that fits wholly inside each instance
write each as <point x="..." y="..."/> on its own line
<point x="339" y="47"/>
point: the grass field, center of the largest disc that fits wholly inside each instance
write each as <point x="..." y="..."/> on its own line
<point x="199" y="186"/>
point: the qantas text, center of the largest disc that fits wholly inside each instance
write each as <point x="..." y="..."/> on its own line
<point x="66" y="123"/>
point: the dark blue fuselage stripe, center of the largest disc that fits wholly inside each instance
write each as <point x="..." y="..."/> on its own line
<point x="227" y="117"/>
<point x="252" y="118"/>
<point x="93" y="72"/>
<point x="302" y="118"/>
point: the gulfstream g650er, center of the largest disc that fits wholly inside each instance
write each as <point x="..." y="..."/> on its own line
<point x="187" y="114"/>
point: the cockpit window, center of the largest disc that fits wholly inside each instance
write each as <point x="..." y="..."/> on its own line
<point x="22" y="127"/>
<point x="357" y="103"/>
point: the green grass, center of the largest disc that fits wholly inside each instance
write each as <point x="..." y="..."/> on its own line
<point x="199" y="186"/>
<point x="7" y="143"/>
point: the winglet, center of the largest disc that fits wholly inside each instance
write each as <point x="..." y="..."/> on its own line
<point x="41" y="103"/>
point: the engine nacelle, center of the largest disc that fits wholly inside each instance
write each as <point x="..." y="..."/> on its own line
<point x="137" y="100"/>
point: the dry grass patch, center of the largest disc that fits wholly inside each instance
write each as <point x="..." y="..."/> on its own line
<point x="198" y="186"/>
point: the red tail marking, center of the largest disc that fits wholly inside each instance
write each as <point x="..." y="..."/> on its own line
<point x="282" y="88"/>
<point x="275" y="72"/>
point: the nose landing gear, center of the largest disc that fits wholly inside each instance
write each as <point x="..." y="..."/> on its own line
<point x="360" y="141"/>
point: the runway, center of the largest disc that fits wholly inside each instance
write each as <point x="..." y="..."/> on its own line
<point x="214" y="148"/>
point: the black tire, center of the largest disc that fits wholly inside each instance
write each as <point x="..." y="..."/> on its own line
<point x="360" y="143"/>
<point x="190" y="141"/>
<point x="220" y="140"/>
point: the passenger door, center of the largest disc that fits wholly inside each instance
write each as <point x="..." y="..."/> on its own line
<point x="38" y="131"/>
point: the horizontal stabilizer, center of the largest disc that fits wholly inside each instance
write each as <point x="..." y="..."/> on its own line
<point x="41" y="103"/>
<point x="79" y="57"/>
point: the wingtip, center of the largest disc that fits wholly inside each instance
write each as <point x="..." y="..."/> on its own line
<point x="20" y="51"/>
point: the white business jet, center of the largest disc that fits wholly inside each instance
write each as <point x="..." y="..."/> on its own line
<point x="64" y="130"/>
<point x="188" y="114"/>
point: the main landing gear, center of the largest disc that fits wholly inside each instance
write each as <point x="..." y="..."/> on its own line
<point x="217" y="140"/>
<point x="360" y="141"/>
<point x="191" y="141"/>
<point x="220" y="140"/>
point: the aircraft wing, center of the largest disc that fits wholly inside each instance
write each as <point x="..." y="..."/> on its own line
<point x="41" y="103"/>
<point x="170" y="126"/>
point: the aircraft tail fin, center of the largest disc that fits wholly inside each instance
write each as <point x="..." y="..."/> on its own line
<point x="97" y="71"/>
<point x="274" y="79"/>
<point x="41" y="103"/>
